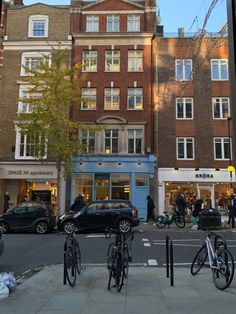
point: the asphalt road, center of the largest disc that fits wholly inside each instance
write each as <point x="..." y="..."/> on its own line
<point x="25" y="252"/>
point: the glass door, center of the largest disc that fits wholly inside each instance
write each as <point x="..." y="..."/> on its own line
<point x="206" y="193"/>
<point x="102" y="186"/>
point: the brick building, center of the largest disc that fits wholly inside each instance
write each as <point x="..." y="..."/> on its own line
<point x="192" y="104"/>
<point x="31" y="32"/>
<point x="113" y="39"/>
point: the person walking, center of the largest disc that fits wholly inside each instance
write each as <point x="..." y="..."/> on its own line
<point x="197" y="209"/>
<point x="232" y="211"/>
<point x="78" y="203"/>
<point x="150" y="209"/>
<point x="181" y="204"/>
<point x="6" y="202"/>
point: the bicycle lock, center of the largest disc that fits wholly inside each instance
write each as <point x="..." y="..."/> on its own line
<point x="169" y="260"/>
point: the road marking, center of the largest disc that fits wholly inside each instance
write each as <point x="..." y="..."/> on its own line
<point x="178" y="240"/>
<point x="152" y="262"/>
<point x="145" y="240"/>
<point x="180" y="244"/>
<point x="95" y="236"/>
<point x="146" y="244"/>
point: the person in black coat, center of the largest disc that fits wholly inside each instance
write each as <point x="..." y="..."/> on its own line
<point x="197" y="207"/>
<point x="181" y="204"/>
<point x="232" y="211"/>
<point x="6" y="202"/>
<point x="150" y="208"/>
<point x="78" y="203"/>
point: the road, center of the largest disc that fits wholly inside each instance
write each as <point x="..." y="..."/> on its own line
<point x="27" y="251"/>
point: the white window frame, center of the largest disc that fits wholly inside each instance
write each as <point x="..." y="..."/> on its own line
<point x="113" y="23"/>
<point x="184" y="101"/>
<point x="135" y="92"/>
<point x="24" y="93"/>
<point x="112" y="61"/>
<point x="135" y="136"/>
<point x="90" y="67"/>
<point x="133" y="23"/>
<point x="222" y="141"/>
<point x="135" y="60"/>
<point x="90" y="94"/>
<point x="181" y="69"/>
<point x="220" y="101"/>
<point x="111" y="139"/>
<point x="86" y="136"/>
<point x="18" y="147"/>
<point x="92" y="23"/>
<point x="112" y="93"/>
<point x="221" y="64"/>
<point x="38" y="18"/>
<point x="185" y="141"/>
<point x="31" y="56"/>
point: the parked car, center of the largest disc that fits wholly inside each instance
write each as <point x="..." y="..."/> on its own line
<point x="1" y="243"/>
<point x="102" y="214"/>
<point x="28" y="216"/>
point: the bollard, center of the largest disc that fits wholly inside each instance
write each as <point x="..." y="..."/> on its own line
<point x="171" y="264"/>
<point x="167" y="256"/>
<point x="64" y="266"/>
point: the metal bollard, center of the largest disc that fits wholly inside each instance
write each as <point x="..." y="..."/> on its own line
<point x="167" y="256"/>
<point x="171" y="264"/>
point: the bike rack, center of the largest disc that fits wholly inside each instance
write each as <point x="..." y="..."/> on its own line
<point x="169" y="260"/>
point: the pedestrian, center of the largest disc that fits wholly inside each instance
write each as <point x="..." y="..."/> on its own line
<point x="6" y="202"/>
<point x="78" y="203"/>
<point x="197" y="209"/>
<point x="232" y="211"/>
<point x="150" y="209"/>
<point x="181" y="204"/>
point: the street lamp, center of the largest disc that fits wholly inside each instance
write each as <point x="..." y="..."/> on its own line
<point x="230" y="169"/>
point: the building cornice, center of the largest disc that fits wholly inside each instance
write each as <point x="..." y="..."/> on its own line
<point x="36" y="45"/>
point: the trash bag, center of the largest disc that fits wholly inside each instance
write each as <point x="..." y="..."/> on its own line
<point x="4" y="291"/>
<point x="9" y="281"/>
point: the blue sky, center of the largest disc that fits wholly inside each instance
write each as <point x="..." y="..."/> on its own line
<point x="188" y="14"/>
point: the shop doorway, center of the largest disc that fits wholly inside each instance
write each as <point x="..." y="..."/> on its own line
<point x="206" y="193"/>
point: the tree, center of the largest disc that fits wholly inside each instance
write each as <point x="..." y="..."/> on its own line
<point x="53" y="87"/>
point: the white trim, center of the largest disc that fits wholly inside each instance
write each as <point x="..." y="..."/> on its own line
<point x="114" y="12"/>
<point x="185" y="138"/>
<point x="36" y="45"/>
<point x="34" y="54"/>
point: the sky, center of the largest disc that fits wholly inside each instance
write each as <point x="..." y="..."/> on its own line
<point x="187" y="14"/>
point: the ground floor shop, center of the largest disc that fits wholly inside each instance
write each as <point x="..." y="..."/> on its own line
<point x="35" y="180"/>
<point x="130" y="178"/>
<point x="211" y="185"/>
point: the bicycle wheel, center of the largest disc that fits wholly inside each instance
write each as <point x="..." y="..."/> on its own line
<point x="160" y="221"/>
<point x="70" y="263"/>
<point x="223" y="276"/>
<point x="127" y="259"/>
<point x="119" y="272"/>
<point x="77" y="257"/>
<point x="199" y="260"/>
<point x="180" y="221"/>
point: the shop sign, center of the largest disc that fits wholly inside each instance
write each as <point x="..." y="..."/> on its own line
<point x="204" y="175"/>
<point x="28" y="172"/>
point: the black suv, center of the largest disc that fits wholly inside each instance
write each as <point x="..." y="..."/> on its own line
<point x="103" y="214"/>
<point x="28" y="216"/>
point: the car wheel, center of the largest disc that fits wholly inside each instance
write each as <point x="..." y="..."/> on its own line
<point x="69" y="226"/>
<point x="4" y="227"/>
<point x="124" y="225"/>
<point x="41" y="227"/>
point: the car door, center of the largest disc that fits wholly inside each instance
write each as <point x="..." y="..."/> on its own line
<point x="90" y="217"/>
<point x="22" y="217"/>
<point x="109" y="212"/>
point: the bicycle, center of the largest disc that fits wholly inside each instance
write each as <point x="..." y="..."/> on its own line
<point x="72" y="259"/>
<point x="220" y="259"/>
<point x="118" y="257"/>
<point x="165" y="220"/>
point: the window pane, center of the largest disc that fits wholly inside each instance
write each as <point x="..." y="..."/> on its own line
<point x="189" y="149"/>
<point x="180" y="110"/>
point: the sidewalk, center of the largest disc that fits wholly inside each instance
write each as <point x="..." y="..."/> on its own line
<point x="146" y="291"/>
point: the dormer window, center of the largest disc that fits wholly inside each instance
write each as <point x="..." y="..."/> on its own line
<point x="38" y="26"/>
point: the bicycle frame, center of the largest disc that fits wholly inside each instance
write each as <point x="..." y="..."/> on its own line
<point x="212" y="257"/>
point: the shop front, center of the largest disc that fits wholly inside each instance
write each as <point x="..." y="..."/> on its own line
<point x="111" y="178"/>
<point x="211" y="185"/>
<point x="36" y="181"/>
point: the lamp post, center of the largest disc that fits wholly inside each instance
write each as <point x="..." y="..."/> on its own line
<point x="230" y="169"/>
